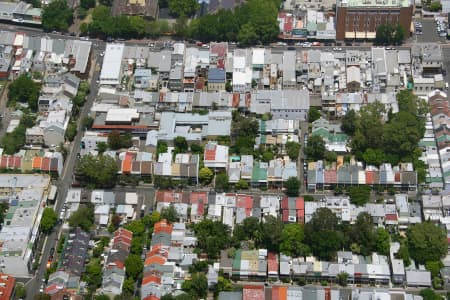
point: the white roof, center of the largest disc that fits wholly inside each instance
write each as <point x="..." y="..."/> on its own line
<point x="112" y="62"/>
<point x="121" y="115"/>
<point x="131" y="198"/>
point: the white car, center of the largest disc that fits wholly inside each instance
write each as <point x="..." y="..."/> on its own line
<point x="337" y="49"/>
<point x="306" y="45"/>
<point x="41" y="289"/>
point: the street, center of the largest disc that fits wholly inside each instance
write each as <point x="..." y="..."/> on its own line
<point x="65" y="181"/>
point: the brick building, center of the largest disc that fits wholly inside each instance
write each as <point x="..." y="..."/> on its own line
<point x="359" y="19"/>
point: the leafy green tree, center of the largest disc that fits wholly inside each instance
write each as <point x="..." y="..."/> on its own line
<point x="271" y="230"/>
<point x="435" y="6"/>
<point x="359" y="195"/>
<point x="83" y="218"/>
<point x="342" y="278"/>
<point x="100" y="171"/>
<point x="137" y="227"/>
<point x="293" y="150"/>
<point x="116" y="140"/>
<point x="20" y="291"/>
<point x="244" y="131"/>
<point x="363" y="234"/>
<point x="86" y="4"/>
<point x="170" y="214"/>
<point x="134" y="266"/>
<point x="315" y="148"/>
<point x="212" y="236"/>
<point x="267" y="156"/>
<point x="102" y="147"/>
<point x="181" y="144"/>
<point x="292" y="186"/>
<point x="87" y="122"/>
<point x="387" y="34"/>
<point x="382" y="245"/>
<point x="292" y="238"/>
<point x="223" y="285"/>
<point x="183" y="7"/>
<point x="57" y="16"/>
<point x="426" y="242"/>
<point x="205" y="175"/>
<point x="330" y="156"/>
<point x="161" y="147"/>
<point x="49" y="219"/>
<point x="24" y="90"/>
<point x="222" y="182"/>
<point x="429" y="294"/>
<point x="374" y="157"/>
<point x="128" y="286"/>
<point x="94" y="274"/>
<point x="102" y="297"/>
<point x="196" y="148"/>
<point x="349" y="122"/>
<point x="434" y="267"/>
<point x="197" y="287"/>
<point x="247" y="35"/>
<point x="323" y="235"/>
<point x="250" y="229"/>
<point x="71" y="131"/>
<point x="313" y="114"/>
<point x="242" y="184"/>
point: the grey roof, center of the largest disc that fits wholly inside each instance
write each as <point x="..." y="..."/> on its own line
<point x="290" y="99"/>
<point x="230" y="296"/>
<point x="216" y="75"/>
<point x="58" y="46"/>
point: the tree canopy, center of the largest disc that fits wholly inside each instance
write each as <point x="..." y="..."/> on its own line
<point x="292" y="237"/>
<point x="388" y="34"/>
<point x="24" y="90"/>
<point x="293" y="150"/>
<point x="212" y="236"/>
<point x="116" y="140"/>
<point x="83" y="217"/>
<point x="49" y="219"/>
<point x="179" y="8"/>
<point x="134" y="266"/>
<point x="57" y="16"/>
<point x="292" y="186"/>
<point x="426" y="242"/>
<point x="97" y="171"/>
<point x="315" y="148"/>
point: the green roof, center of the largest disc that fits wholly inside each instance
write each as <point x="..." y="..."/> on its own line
<point x="258" y="173"/>
<point x="427" y="143"/>
<point x="443" y="138"/>
<point x="237" y="260"/>
<point x="331" y="137"/>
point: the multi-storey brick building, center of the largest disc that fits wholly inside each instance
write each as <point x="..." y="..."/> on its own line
<point x="359" y="19"/>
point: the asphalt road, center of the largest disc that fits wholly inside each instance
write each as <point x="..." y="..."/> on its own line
<point x="65" y="181"/>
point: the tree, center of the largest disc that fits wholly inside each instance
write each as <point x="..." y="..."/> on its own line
<point x="363" y="234"/>
<point x="247" y="35"/>
<point x="134" y="266"/>
<point x="315" y="149"/>
<point x="323" y="235"/>
<point x="83" y="217"/>
<point x="382" y="245"/>
<point x="117" y="141"/>
<point x="374" y="157"/>
<point x="293" y="150"/>
<point x="426" y="242"/>
<point x="292" y="238"/>
<point x="197" y="287"/>
<point x="330" y="156"/>
<point x="128" y="286"/>
<point x="49" y="219"/>
<point x="196" y="148"/>
<point x="249" y="229"/>
<point x="349" y="122"/>
<point x="222" y="182"/>
<point x="271" y="230"/>
<point x="20" y="292"/>
<point x="181" y="145"/>
<point x="313" y="114"/>
<point x="71" y="131"/>
<point x="212" y="237"/>
<point x="94" y="274"/>
<point x="42" y="297"/>
<point x="137" y="227"/>
<point x="205" y="175"/>
<point x="387" y="34"/>
<point x="342" y="278"/>
<point x="97" y="171"/>
<point x="161" y="147"/>
<point x="24" y="90"/>
<point x="170" y="214"/>
<point x="57" y="16"/>
<point x="292" y="186"/>
<point x="242" y="184"/>
<point x="359" y="195"/>
<point x="223" y="285"/>
<point x="183" y="7"/>
<point x="86" y="4"/>
<point x="102" y="297"/>
<point x="434" y="267"/>
<point x="102" y="147"/>
<point x="429" y="294"/>
<point x="87" y="122"/>
<point x="435" y="6"/>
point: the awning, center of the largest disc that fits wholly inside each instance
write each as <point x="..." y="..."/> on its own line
<point x="349" y="35"/>
<point x="371" y="35"/>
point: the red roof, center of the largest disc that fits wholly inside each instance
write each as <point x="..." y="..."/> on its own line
<point x="37" y="162"/>
<point x="272" y="263"/>
<point x="200" y="209"/>
<point x="301" y="216"/>
<point x="151" y="278"/>
<point x="10" y="161"/>
<point x="52" y="289"/>
<point x="391" y="217"/>
<point x="197" y="197"/>
<point x="300" y="203"/>
<point x="126" y="163"/>
<point x="162" y="226"/>
<point x="210" y="154"/>
<point x="370" y="177"/>
<point x="4" y="162"/>
<point x="284" y="203"/>
<point x="279" y="292"/>
<point x="244" y="201"/>
<point x="397" y="177"/>
<point x="122" y="238"/>
<point x="151" y="297"/>
<point x="236" y="100"/>
<point x="155" y="259"/>
<point x="330" y="176"/>
<point x="285" y="215"/>
<point x="45" y="164"/>
<point x="7" y="286"/>
<point x="17" y="162"/>
<point x="253" y="293"/>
